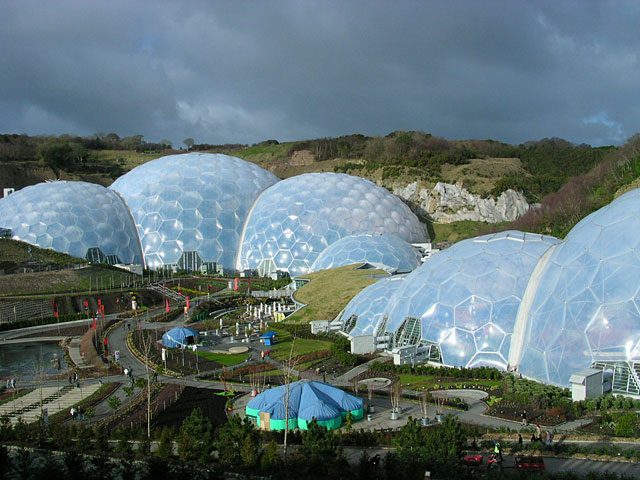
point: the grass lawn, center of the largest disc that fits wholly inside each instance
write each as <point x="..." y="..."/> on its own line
<point x="302" y="346"/>
<point x="329" y="291"/>
<point x="428" y="382"/>
<point x="224" y="358"/>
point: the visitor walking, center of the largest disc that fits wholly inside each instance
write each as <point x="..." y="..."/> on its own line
<point x="524" y="418"/>
<point x="520" y="440"/>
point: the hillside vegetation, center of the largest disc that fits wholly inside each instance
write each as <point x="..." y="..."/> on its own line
<point x="582" y="194"/>
<point x="568" y="180"/>
<point x="14" y="254"/>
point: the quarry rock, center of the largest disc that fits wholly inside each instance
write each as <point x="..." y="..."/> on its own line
<point x="447" y="203"/>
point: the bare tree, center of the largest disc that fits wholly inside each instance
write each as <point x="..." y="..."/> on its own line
<point x="146" y="342"/>
<point x="396" y="390"/>
<point x="189" y="142"/>
<point x="424" y="405"/>
<point x="287" y="367"/>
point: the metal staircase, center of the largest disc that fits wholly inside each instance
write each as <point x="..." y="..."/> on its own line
<point x="626" y="376"/>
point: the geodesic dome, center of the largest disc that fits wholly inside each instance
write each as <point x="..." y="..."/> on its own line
<point x="465" y="299"/>
<point x="296" y="219"/>
<point x="586" y="306"/>
<point x="190" y="208"/>
<point x="385" y="251"/>
<point x="364" y="314"/>
<point x="82" y="219"/>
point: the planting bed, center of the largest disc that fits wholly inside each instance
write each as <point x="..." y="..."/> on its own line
<point x="211" y="404"/>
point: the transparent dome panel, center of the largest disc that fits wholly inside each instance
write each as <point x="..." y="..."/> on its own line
<point x="83" y="216"/>
<point x="196" y="196"/>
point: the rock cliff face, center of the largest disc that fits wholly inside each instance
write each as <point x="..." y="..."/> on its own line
<point x="447" y="203"/>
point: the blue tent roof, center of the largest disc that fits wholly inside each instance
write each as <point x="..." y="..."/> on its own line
<point x="178" y="337"/>
<point x="307" y="400"/>
<point x="268" y="335"/>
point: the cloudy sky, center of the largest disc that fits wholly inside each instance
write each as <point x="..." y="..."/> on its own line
<point x="247" y="71"/>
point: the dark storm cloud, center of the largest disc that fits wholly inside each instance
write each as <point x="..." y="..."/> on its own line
<point x="248" y="71"/>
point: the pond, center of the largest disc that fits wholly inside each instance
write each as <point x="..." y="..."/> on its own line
<point x="28" y="361"/>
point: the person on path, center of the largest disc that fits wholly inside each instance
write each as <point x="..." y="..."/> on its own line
<point x="524" y="418"/>
<point x="72" y="412"/>
<point x="13" y="383"/>
<point x="76" y="377"/>
<point x="8" y="383"/>
<point x="520" y="440"/>
<point x="70" y="379"/>
<point x="497" y="449"/>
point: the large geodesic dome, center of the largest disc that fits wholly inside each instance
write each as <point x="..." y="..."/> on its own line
<point x="190" y="208"/>
<point x="464" y="300"/>
<point x="385" y="251"/>
<point x="296" y="219"/>
<point x="82" y="219"/>
<point x="364" y="314"/>
<point x="586" y="306"/>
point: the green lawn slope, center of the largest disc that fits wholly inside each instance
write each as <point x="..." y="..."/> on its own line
<point x="329" y="291"/>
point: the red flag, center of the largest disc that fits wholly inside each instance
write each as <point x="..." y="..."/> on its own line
<point x="236" y="284"/>
<point x="102" y="311"/>
<point x="94" y="323"/>
<point x="167" y="303"/>
<point x="249" y="282"/>
<point x="56" y="313"/>
<point x="187" y="303"/>
<point x="86" y="304"/>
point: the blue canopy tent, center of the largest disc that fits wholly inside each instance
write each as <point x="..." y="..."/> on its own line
<point x="307" y="400"/>
<point x="270" y="338"/>
<point x="180" y="337"/>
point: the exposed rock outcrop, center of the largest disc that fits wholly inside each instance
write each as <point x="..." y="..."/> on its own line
<point x="452" y="203"/>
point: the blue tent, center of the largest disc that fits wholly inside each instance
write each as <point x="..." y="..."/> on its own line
<point x="180" y="337"/>
<point x="307" y="400"/>
<point x="270" y="338"/>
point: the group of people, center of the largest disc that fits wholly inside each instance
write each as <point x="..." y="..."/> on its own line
<point x="11" y="383"/>
<point x="77" y="413"/>
<point x="74" y="379"/>
<point x="129" y="373"/>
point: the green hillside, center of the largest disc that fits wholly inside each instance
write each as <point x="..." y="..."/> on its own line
<point x="549" y="171"/>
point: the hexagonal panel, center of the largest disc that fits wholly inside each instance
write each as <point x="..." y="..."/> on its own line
<point x="72" y="217"/>
<point x="328" y="200"/>
<point x="208" y="194"/>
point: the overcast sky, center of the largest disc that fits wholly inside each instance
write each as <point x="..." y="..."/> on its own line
<point x="247" y="71"/>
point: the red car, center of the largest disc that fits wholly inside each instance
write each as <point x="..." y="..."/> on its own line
<point x="529" y="463"/>
<point x="472" y="460"/>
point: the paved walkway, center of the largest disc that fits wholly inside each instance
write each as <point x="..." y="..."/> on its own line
<point x="53" y="398"/>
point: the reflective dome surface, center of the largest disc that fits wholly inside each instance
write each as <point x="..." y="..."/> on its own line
<point x="387" y="251"/>
<point x="587" y="302"/>
<point x="296" y="219"/>
<point x="194" y="202"/>
<point x="467" y="296"/>
<point x="72" y="217"/>
<point x="364" y="314"/>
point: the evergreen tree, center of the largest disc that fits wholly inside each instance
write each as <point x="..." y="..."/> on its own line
<point x="271" y="456"/>
<point x="232" y="439"/>
<point x="165" y="448"/>
<point x="195" y="437"/>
